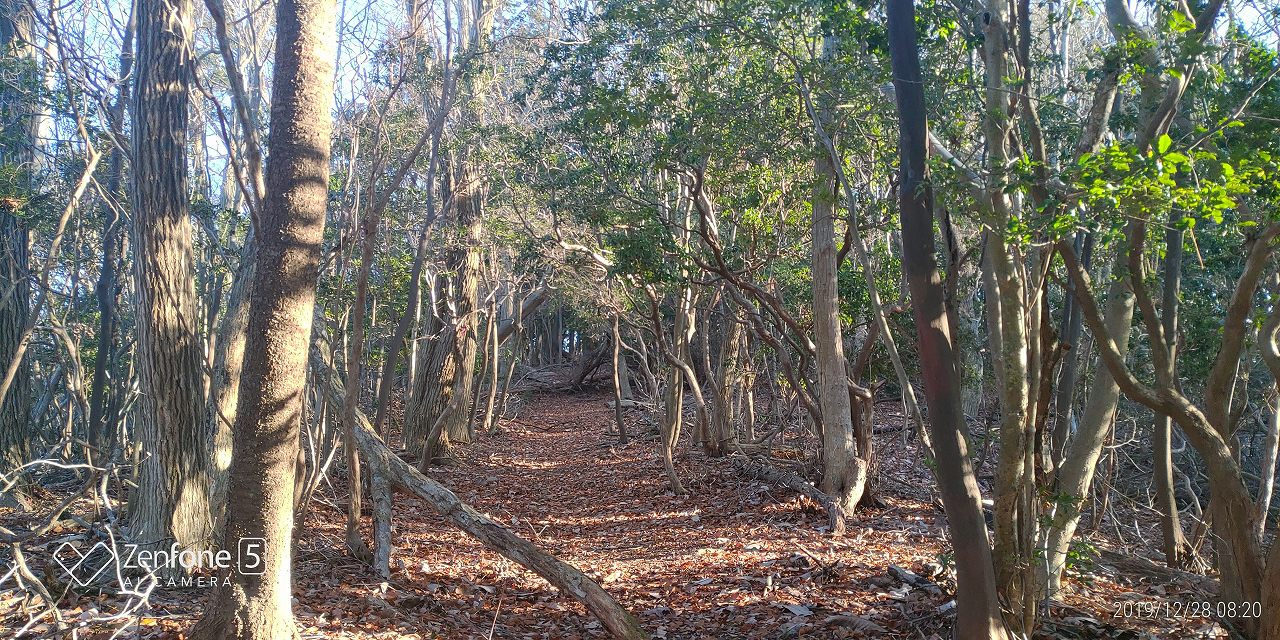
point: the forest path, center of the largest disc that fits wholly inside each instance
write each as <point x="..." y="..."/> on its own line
<point x="736" y="559"/>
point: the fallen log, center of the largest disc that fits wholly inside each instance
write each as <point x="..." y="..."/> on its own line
<point x="384" y="463"/>
<point x="527" y="308"/>
<point x="1135" y="566"/>
<point x="631" y="404"/>
<point x="769" y="473"/>
<point x="914" y="579"/>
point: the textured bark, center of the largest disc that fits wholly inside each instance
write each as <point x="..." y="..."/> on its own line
<point x="14" y="308"/>
<point x="495" y="370"/>
<point x="1270" y="628"/>
<point x="380" y="489"/>
<point x="257" y="606"/>
<point x="434" y="382"/>
<point x="448" y="405"/>
<point x="978" y="614"/>
<point x="485" y="367"/>
<point x="172" y="500"/>
<point x="1268" y="467"/>
<point x="458" y="424"/>
<point x="724" y="383"/>
<point x="15" y="292"/>
<point x="228" y="358"/>
<point x="1013" y="364"/>
<point x="839" y="458"/>
<point x="1012" y="328"/>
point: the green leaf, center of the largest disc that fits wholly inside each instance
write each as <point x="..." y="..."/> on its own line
<point x="1180" y="23"/>
<point x="1163" y="144"/>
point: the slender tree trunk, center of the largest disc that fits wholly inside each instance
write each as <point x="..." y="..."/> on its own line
<point x="398" y="336"/>
<point x="224" y="382"/>
<point x="1064" y="403"/>
<point x="517" y="329"/>
<point x="107" y="287"/>
<point x="673" y="400"/>
<point x="257" y="605"/>
<point x="1175" y="542"/>
<point x="1075" y="476"/>
<point x="481" y="366"/>
<point x="172" y="500"/>
<point x="617" y="380"/>
<point x="1013" y="363"/>
<point x="351" y="391"/>
<point x="978" y="614"/>
<point x="495" y="368"/>
<point x="1268" y="467"/>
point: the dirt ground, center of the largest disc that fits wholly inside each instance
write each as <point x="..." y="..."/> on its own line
<point x="734" y="559"/>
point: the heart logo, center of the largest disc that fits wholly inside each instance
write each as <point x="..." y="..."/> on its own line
<point x="74" y="563"/>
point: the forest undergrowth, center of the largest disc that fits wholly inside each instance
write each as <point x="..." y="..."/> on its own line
<point x="736" y="558"/>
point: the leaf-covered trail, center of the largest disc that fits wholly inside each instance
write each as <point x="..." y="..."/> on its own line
<point x="736" y="559"/>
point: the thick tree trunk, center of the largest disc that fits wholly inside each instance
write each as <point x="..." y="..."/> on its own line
<point x="726" y="382"/>
<point x="172" y="499"/>
<point x="978" y="614"/>
<point x="15" y="437"/>
<point x="839" y="459"/>
<point x="257" y="605"/>
<point x="434" y="382"/>
<point x="15" y="303"/>
<point x="454" y="414"/>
